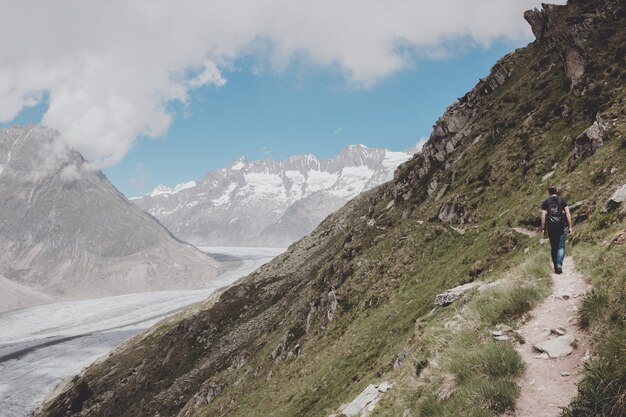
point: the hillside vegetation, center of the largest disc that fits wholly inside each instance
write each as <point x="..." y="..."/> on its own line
<point x="352" y="303"/>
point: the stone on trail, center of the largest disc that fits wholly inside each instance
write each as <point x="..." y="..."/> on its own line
<point x="556" y="348"/>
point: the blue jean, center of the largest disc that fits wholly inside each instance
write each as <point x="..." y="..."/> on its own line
<point x="557" y="244"/>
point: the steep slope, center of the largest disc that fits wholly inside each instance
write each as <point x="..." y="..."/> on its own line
<point x="268" y="203"/>
<point x="66" y="232"/>
<point x="350" y="304"/>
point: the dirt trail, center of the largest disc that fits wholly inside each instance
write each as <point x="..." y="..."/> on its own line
<point x="550" y="383"/>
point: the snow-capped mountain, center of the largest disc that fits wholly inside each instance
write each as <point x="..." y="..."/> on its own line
<point x="66" y="232"/>
<point x="268" y="202"/>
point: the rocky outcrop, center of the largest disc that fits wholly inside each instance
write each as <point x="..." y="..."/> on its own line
<point x="569" y="37"/>
<point x="538" y="21"/>
<point x="449" y="133"/>
<point x="452" y="212"/>
<point x="449" y="296"/>
<point x="592" y="139"/>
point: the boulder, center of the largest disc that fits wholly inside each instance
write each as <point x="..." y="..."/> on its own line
<point x="453" y="294"/>
<point x="618" y="197"/>
<point x="363" y="405"/>
<point x="556" y="348"/>
<point x="592" y="139"/>
<point x="452" y="212"/>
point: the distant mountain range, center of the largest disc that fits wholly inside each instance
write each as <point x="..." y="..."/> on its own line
<point x="66" y="232"/>
<point x="268" y="203"/>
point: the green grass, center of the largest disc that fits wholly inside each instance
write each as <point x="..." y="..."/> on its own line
<point x="468" y="372"/>
<point x="603" y="389"/>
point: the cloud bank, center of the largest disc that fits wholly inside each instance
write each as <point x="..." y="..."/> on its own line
<point x="111" y="69"/>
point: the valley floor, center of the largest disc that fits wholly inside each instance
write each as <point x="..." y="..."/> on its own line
<point x="40" y="346"/>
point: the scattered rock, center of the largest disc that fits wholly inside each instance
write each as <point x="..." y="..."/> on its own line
<point x="560" y="331"/>
<point x="547" y="176"/>
<point x="332" y="305"/>
<point x="576" y="205"/>
<point x="557" y="347"/>
<point x="280" y="349"/>
<point x="620" y="238"/>
<point x="459" y="230"/>
<point x="452" y="294"/>
<point x="563" y="294"/>
<point x="618" y="197"/>
<point x="310" y="316"/>
<point x="441" y="192"/>
<point x="564" y="374"/>
<point x="451" y="211"/>
<point x="401" y="357"/>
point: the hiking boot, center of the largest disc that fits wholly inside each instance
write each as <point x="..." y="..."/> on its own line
<point x="558" y="270"/>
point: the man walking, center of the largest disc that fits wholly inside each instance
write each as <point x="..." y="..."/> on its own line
<point x="556" y="223"/>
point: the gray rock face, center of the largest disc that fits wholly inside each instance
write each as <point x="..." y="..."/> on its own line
<point x="65" y="231"/>
<point x="455" y="293"/>
<point x="537" y="20"/>
<point x="268" y="203"/>
<point x="574" y="65"/>
<point x="363" y="405"/>
<point x="592" y="139"/>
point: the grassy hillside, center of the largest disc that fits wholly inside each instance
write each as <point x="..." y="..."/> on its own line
<point x="352" y="303"/>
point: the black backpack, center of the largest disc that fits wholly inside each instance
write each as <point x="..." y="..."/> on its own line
<point x="555" y="211"/>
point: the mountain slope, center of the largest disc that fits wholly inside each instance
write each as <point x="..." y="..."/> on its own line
<point x="268" y="203"/>
<point x="350" y="304"/>
<point x="66" y="232"/>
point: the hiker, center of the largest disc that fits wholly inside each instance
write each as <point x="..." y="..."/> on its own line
<point x="556" y="223"/>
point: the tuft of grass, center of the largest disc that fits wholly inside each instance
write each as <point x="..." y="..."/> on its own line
<point x="490" y="358"/>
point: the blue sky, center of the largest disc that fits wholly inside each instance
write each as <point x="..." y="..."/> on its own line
<point x="182" y="88"/>
<point x="292" y="112"/>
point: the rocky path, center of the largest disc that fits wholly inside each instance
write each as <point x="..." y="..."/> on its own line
<point x="555" y="348"/>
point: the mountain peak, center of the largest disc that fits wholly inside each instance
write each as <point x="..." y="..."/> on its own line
<point x="269" y="202"/>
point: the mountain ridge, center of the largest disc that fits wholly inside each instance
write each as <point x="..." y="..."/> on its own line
<point x="268" y="202"/>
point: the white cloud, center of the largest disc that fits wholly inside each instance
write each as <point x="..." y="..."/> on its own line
<point x="420" y="143"/>
<point x="110" y="68"/>
<point x="70" y="173"/>
<point x="337" y="131"/>
<point x="139" y="180"/>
